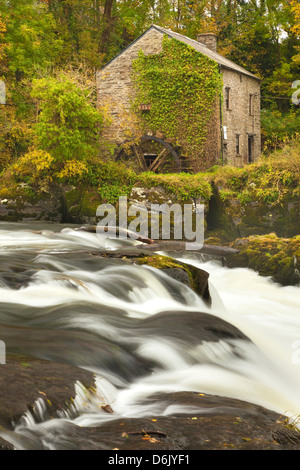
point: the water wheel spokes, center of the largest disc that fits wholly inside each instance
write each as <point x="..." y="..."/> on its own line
<point x="140" y="156"/>
<point x="168" y="148"/>
<point x="159" y="160"/>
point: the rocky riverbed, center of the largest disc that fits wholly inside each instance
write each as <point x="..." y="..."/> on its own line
<point x="216" y="422"/>
<point x="40" y="383"/>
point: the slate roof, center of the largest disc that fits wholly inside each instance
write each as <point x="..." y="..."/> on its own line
<point x="205" y="50"/>
<point x="222" y="61"/>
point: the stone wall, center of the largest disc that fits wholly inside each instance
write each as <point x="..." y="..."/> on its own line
<point x="212" y="149"/>
<point x="238" y="120"/>
<point x="115" y="88"/>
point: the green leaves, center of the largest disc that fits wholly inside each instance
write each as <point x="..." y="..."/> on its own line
<point x="181" y="85"/>
<point x="31" y="42"/>
<point x="69" y="127"/>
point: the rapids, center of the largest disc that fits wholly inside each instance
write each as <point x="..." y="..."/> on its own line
<point x="140" y="331"/>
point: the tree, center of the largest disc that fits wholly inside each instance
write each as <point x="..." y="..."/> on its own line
<point x="68" y="127"/>
<point x="31" y="42"/>
<point x="296" y="27"/>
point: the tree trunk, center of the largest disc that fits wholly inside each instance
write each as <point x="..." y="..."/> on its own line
<point x="108" y="23"/>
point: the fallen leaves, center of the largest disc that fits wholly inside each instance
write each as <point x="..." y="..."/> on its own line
<point x="149" y="438"/>
<point x="107" y="408"/>
<point x="146" y="435"/>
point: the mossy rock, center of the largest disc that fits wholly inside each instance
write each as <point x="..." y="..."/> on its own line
<point x="269" y="255"/>
<point x="195" y="278"/>
<point x="81" y="204"/>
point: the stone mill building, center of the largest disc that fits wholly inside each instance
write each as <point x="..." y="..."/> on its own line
<point x="145" y="134"/>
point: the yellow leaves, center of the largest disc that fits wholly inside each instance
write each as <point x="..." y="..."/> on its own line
<point x="146" y="436"/>
<point x="72" y="168"/>
<point x="2" y="27"/>
<point x="296" y="12"/>
<point x="2" y="31"/>
<point x="33" y="163"/>
<point x="149" y="438"/>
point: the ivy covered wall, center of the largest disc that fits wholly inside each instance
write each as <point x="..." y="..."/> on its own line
<point x="183" y="88"/>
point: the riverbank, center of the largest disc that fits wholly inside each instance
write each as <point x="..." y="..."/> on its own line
<point x="255" y="209"/>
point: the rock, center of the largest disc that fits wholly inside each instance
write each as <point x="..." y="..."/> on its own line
<point x="195" y="278"/>
<point x="232" y="217"/>
<point x="73" y="348"/>
<point x="216" y="423"/>
<point x="45" y="207"/>
<point x="24" y="379"/>
<point x="194" y="327"/>
<point x="269" y="255"/>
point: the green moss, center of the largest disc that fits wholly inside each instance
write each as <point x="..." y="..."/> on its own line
<point x="159" y="262"/>
<point x="269" y="181"/>
<point x="269" y="255"/>
<point x="197" y="278"/>
<point x="183" y="186"/>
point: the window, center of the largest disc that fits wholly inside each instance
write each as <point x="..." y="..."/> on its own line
<point x="227" y="97"/>
<point x="250" y="148"/>
<point x="145" y="107"/>
<point x="238" y="144"/>
<point x="251" y="104"/>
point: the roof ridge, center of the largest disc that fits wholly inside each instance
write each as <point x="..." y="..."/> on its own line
<point x="208" y="50"/>
<point x="179" y="34"/>
<point x="198" y="46"/>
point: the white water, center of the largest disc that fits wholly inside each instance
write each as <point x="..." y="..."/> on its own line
<point x="266" y="372"/>
<point x="269" y="315"/>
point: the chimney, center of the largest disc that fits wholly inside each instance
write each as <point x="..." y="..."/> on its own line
<point x="209" y="40"/>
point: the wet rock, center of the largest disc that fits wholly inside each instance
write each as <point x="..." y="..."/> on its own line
<point x="215" y="423"/>
<point x="46" y="207"/>
<point x="195" y="278"/>
<point x="219" y="423"/>
<point x="25" y="379"/>
<point x="74" y="348"/>
<point x="192" y="327"/>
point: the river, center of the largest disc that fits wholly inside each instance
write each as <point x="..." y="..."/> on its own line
<point x="140" y="322"/>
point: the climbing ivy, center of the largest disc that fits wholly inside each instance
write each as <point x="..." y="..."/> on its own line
<point x="181" y="85"/>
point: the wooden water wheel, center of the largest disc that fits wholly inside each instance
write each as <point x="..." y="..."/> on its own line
<point x="151" y="153"/>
